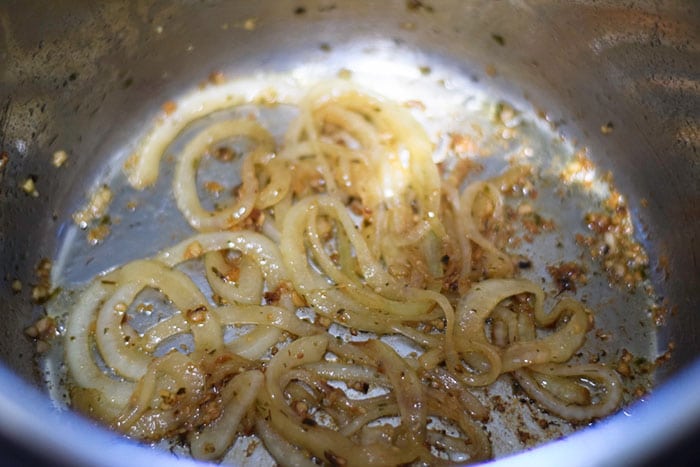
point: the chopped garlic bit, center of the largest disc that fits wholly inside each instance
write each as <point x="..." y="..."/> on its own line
<point x="169" y="107"/>
<point x="215" y="188"/>
<point x="131" y="162"/>
<point x="298" y="300"/>
<point x="250" y="24"/>
<point x="42" y="329"/>
<point x="42" y="291"/>
<point x="463" y="144"/>
<point x="59" y="158"/>
<point x="96" y="207"/>
<point x="29" y="187"/>
<point x="16" y="286"/>
<point x="268" y="96"/>
<point x="344" y="73"/>
<point x="197" y="315"/>
<point x="217" y="77"/>
<point x="42" y="332"/>
<point x="580" y="170"/>
<point x="613" y="244"/>
<point x="193" y="250"/>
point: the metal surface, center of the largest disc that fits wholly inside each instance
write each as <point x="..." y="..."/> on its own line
<point x="84" y="77"/>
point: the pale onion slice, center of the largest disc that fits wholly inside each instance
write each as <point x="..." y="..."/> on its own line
<point x="499" y="264"/>
<point x="556" y="347"/>
<point x="185" y="178"/>
<point x="253" y="244"/>
<point x="81" y="366"/>
<point x="247" y="288"/>
<point x="125" y="356"/>
<point x="238" y="396"/>
<point x="606" y="380"/>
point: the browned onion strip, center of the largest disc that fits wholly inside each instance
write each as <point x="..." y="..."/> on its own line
<point x="185" y="179"/>
<point x="248" y="286"/>
<point x="256" y="343"/>
<point x="557" y="347"/>
<point x="451" y="385"/>
<point x="346" y="372"/>
<point x="87" y="375"/>
<point x="408" y="391"/>
<point x="567" y="389"/>
<point x="238" y="396"/>
<point x="443" y="404"/>
<point x="267" y="315"/>
<point x="284" y="452"/>
<point x="147" y="416"/>
<point x="606" y="380"/>
<point x="472" y="312"/>
<point x="500" y="264"/>
<point x="124" y="355"/>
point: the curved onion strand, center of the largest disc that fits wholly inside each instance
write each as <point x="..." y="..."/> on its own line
<point x="184" y="181"/>
<point x="239" y="395"/>
<point x="607" y="380"/>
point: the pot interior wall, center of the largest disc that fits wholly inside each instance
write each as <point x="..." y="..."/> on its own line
<point x="85" y="76"/>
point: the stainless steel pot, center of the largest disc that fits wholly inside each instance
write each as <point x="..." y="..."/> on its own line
<point x="84" y="76"/>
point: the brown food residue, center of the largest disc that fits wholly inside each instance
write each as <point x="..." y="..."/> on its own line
<point x="224" y="154"/>
<point x="613" y="243"/>
<point x="96" y="207"/>
<point x="98" y="233"/>
<point x="566" y="275"/>
<point x="217" y="77"/>
<point x="623" y="365"/>
<point x="536" y="224"/>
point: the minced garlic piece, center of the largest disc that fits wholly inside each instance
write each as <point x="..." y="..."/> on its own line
<point x="29" y="187"/>
<point x="59" y="158"/>
<point x="96" y="207"/>
<point x="169" y="107"/>
<point x="217" y="77"/>
<point x="98" y="234"/>
<point x="42" y="332"/>
<point x="194" y="250"/>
